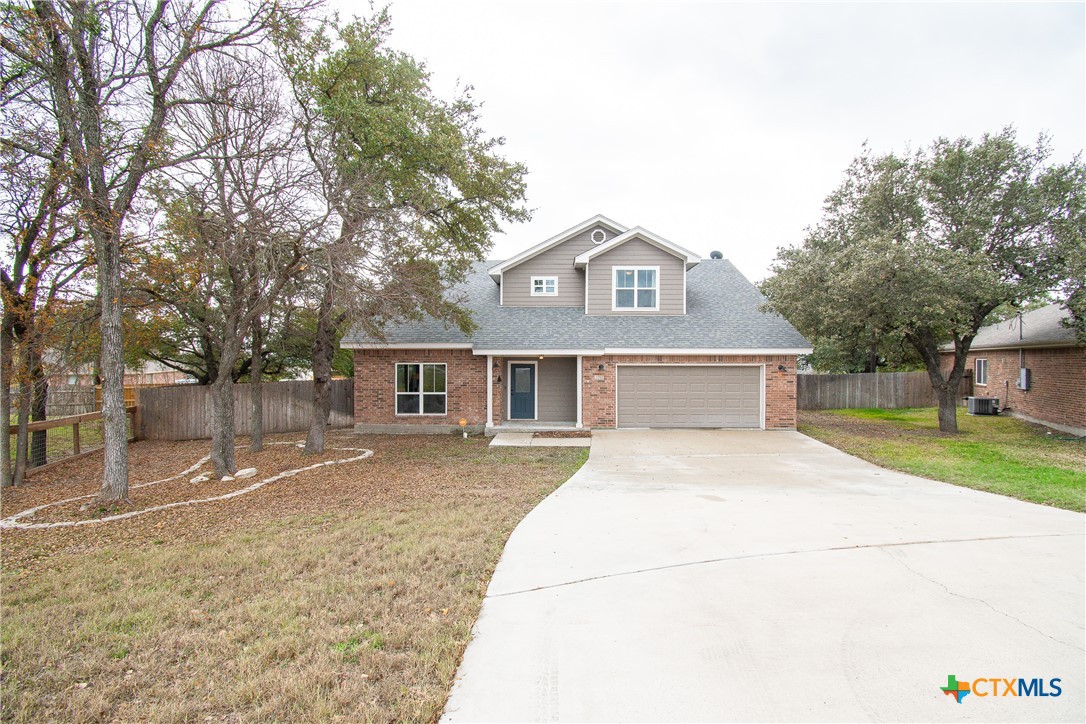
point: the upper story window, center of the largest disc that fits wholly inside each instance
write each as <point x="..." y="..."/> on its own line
<point x="544" y="286"/>
<point x="420" y="389"/>
<point x="980" y="374"/>
<point x="636" y="287"/>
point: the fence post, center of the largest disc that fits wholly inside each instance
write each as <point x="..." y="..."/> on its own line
<point x="75" y="438"/>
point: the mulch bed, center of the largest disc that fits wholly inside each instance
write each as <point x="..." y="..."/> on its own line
<point x="404" y="470"/>
<point x="564" y="433"/>
<point x="270" y="461"/>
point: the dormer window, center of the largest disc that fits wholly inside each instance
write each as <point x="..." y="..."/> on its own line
<point x="544" y="286"/>
<point x="636" y="287"/>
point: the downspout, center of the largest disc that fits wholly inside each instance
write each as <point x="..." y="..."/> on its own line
<point x="586" y="286"/>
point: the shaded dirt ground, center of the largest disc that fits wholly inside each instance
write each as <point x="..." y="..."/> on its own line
<point x="403" y="469"/>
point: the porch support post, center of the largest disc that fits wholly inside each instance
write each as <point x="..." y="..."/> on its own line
<point x="489" y="391"/>
<point x="580" y="389"/>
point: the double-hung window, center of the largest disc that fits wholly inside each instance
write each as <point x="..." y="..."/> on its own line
<point x="980" y="374"/>
<point x="544" y="286"/>
<point x="420" y="389"/>
<point x="636" y="287"/>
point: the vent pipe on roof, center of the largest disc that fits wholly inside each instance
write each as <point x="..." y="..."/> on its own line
<point x="715" y="255"/>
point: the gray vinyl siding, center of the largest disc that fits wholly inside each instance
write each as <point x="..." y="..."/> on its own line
<point x="556" y="389"/>
<point x="557" y="394"/>
<point x="554" y="262"/>
<point x="636" y="253"/>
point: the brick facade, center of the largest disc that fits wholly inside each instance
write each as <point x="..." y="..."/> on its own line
<point x="375" y="381"/>
<point x="1057" y="392"/>
<point x="375" y="388"/>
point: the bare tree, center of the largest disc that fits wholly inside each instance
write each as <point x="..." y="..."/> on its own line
<point x="239" y="219"/>
<point x="42" y="257"/>
<point x="112" y="69"/>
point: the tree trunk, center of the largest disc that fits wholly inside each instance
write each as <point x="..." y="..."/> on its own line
<point x="114" y="421"/>
<point x="222" y="426"/>
<point x="19" y="475"/>
<point x="39" y="391"/>
<point x="256" y="389"/>
<point x="948" y="408"/>
<point x="323" y="349"/>
<point x="946" y="388"/>
<point x="6" y="368"/>
<point x="208" y="349"/>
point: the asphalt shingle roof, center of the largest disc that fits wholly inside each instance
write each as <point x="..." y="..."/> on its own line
<point x="1039" y="328"/>
<point x="722" y="313"/>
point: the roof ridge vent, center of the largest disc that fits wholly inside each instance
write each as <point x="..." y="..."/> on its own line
<point x="715" y="255"/>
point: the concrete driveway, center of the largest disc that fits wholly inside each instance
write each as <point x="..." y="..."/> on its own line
<point x="729" y="576"/>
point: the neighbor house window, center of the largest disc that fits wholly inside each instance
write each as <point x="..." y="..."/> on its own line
<point x="636" y="287"/>
<point x="980" y="375"/>
<point x="544" y="286"/>
<point x="420" y="389"/>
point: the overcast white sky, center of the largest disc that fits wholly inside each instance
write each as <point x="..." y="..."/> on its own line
<point x="724" y="125"/>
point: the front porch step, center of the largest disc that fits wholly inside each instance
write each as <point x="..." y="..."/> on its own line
<point x="534" y="426"/>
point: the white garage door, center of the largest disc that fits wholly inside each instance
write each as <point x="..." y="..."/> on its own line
<point x="689" y="396"/>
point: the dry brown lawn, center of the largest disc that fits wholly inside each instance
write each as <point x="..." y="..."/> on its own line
<point x="347" y="592"/>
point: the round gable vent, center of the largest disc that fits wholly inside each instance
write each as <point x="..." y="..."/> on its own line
<point x="599" y="236"/>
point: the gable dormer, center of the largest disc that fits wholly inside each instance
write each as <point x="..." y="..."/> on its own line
<point x="636" y="273"/>
<point x="545" y="275"/>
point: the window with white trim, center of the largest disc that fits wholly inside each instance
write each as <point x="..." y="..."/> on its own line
<point x="420" y="388"/>
<point x="636" y="287"/>
<point x="544" y="286"/>
<point x="980" y="372"/>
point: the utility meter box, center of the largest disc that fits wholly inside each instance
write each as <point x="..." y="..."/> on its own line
<point x="1023" y="378"/>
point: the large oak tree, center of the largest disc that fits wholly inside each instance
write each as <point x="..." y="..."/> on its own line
<point x="924" y="246"/>
<point x="416" y="187"/>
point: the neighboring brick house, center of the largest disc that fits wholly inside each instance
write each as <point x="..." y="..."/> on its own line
<point x="601" y="326"/>
<point x="1036" y="341"/>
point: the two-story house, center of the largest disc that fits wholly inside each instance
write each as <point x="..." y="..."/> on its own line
<point x="601" y="326"/>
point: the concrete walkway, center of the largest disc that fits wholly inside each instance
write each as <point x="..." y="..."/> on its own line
<point x="764" y="576"/>
<point x="528" y="439"/>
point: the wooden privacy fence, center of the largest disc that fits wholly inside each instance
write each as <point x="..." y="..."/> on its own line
<point x="183" y="412"/>
<point x="63" y="400"/>
<point x="885" y="390"/>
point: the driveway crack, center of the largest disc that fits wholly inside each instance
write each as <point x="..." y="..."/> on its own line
<point x="775" y="554"/>
<point x="943" y="586"/>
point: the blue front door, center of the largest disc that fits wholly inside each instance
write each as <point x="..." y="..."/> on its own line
<point x="522" y="392"/>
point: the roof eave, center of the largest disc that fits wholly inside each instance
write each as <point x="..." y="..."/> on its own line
<point x="597" y="220"/>
<point x="690" y="258"/>
<point x="1014" y="345"/>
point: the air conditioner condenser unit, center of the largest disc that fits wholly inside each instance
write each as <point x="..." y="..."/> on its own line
<point x="982" y="405"/>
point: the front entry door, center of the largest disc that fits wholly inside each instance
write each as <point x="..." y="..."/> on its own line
<point x="522" y="391"/>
